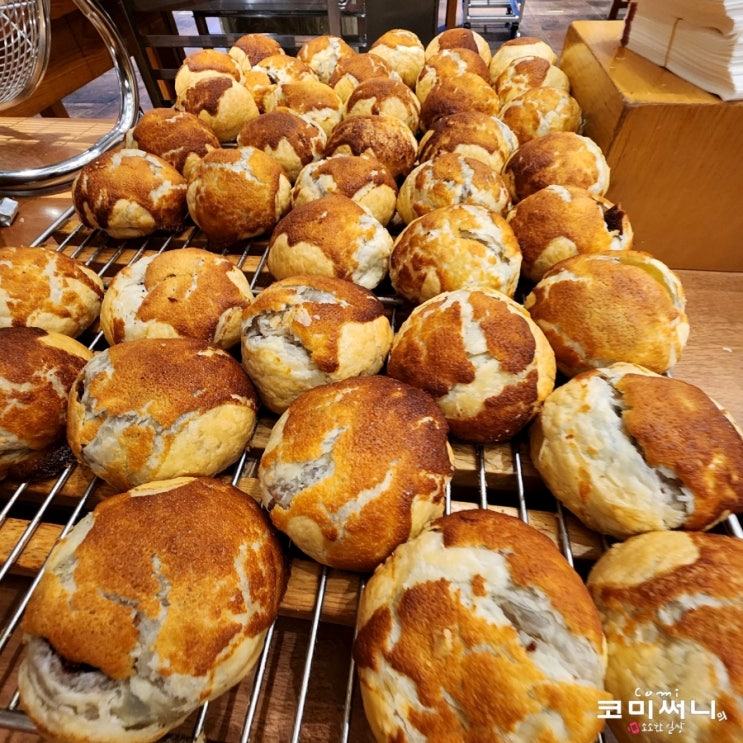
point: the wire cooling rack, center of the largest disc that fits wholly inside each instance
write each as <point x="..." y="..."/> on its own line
<point x="303" y="687"/>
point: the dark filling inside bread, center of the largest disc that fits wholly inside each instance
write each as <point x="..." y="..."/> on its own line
<point x="613" y="217"/>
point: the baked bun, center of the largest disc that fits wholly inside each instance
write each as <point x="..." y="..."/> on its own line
<point x="272" y="71"/>
<point x="465" y="92"/>
<point x="558" y="222"/>
<point x="292" y="140"/>
<point x="310" y="98"/>
<point x="46" y="289"/>
<point x="403" y="51"/>
<point x="481" y="357"/>
<point x="251" y="48"/>
<point x="221" y="102"/>
<point x="348" y="485"/>
<point x="471" y="133"/>
<point x="539" y="111"/>
<point x="449" y="63"/>
<point x="630" y="451"/>
<point x="156" y="602"/>
<point x="305" y="331"/>
<point x="178" y="137"/>
<point x="129" y="193"/>
<point x="478" y="629"/>
<point x="350" y="71"/>
<point x="185" y="293"/>
<point x="37" y="369"/>
<point x="455" y="247"/>
<point x="360" y="177"/>
<point x="205" y="63"/>
<point x="671" y="607"/>
<point x="459" y="38"/>
<point x="525" y="73"/>
<point x="522" y="46"/>
<point x="237" y="193"/>
<point x="618" y="305"/>
<point x="386" y="137"/>
<point x="387" y="97"/>
<point x="152" y="409"/>
<point x="330" y="236"/>
<point x="323" y="53"/>
<point x="450" y="179"/>
<point x="557" y="158"/>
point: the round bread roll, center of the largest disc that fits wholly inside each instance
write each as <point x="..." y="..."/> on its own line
<point x="539" y="111"/>
<point x="185" y="293"/>
<point x="305" y="331"/>
<point x="350" y="71"/>
<point x="450" y="95"/>
<point x="403" y="51"/>
<point x="272" y="71"/>
<point x="130" y="193"/>
<point x="309" y="98"/>
<point x="152" y="409"/>
<point x="471" y="133"/>
<point x="618" y="305"/>
<point x="459" y="38"/>
<point x="251" y="48"/>
<point x="455" y="247"/>
<point x="630" y="451"/>
<point x="37" y="370"/>
<point x="348" y="487"/>
<point x="449" y="179"/>
<point x="221" y="102"/>
<point x="360" y="177"/>
<point x="521" y="46"/>
<point x="43" y="288"/>
<point x="117" y="651"/>
<point x="292" y="140"/>
<point x="178" y="137"/>
<point x="464" y="635"/>
<point x="387" y="97"/>
<point x="561" y="158"/>
<point x="323" y="53"/>
<point x="202" y="64"/>
<point x="237" y="193"/>
<point x="449" y="63"/>
<point x="330" y="236"/>
<point x="525" y="73"/>
<point x="482" y="358"/>
<point x="386" y="137"/>
<point x="671" y="608"/>
<point x="558" y="222"/>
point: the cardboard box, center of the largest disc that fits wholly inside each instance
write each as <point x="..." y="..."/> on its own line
<point x="675" y="151"/>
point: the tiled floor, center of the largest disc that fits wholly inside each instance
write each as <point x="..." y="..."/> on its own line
<point x="546" y="19"/>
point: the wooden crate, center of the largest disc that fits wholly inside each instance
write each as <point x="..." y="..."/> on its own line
<point x="676" y="151"/>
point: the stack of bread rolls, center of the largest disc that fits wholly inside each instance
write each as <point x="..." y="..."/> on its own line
<point x="456" y="177"/>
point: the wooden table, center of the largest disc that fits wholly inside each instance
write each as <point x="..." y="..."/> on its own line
<point x="712" y="360"/>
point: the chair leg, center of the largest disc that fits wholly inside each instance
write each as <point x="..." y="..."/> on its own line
<point x="616" y="6"/>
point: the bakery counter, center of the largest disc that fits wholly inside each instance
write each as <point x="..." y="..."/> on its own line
<point x="303" y="688"/>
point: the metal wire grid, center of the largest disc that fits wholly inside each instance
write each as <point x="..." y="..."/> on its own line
<point x="12" y="718"/>
<point x="23" y="54"/>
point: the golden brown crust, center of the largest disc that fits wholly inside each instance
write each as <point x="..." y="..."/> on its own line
<point x="37" y="370"/>
<point x="388" y="138"/>
<point x="562" y="158"/>
<point x="538" y="111"/>
<point x="403" y="51"/>
<point x="481" y="403"/>
<point x="441" y="654"/>
<point x="353" y="70"/>
<point x="184" y="293"/>
<point x="204" y="63"/>
<point x="449" y="63"/>
<point x="558" y="222"/>
<point x="203" y="527"/>
<point x="251" y="48"/>
<point x="459" y="38"/>
<point x="307" y="97"/>
<point x="388" y="475"/>
<point x="130" y="193"/>
<point x="323" y="53"/>
<point x="471" y="133"/>
<point x="465" y="92"/>
<point x="525" y="73"/>
<point x="176" y="136"/>
<point x="237" y="193"/>
<point x="601" y="308"/>
<point x="44" y="288"/>
<point x="385" y="96"/>
<point x="521" y="46"/>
